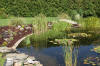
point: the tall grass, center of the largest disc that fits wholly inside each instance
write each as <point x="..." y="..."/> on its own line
<point x="90" y="23"/>
<point x="40" y="24"/>
<point x="41" y="31"/>
<point x="57" y="31"/>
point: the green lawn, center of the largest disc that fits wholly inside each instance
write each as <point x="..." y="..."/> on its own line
<point x="27" y="20"/>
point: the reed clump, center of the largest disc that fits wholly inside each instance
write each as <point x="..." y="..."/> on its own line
<point x="39" y="24"/>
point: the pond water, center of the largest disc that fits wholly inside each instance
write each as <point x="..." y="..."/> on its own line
<point x="53" y="55"/>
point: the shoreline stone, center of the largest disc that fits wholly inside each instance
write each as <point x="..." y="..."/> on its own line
<point x="19" y="59"/>
<point x="6" y="50"/>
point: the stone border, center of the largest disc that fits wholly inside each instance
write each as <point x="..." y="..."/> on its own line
<point x="20" y="59"/>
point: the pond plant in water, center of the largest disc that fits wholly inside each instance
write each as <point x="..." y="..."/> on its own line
<point x="70" y="53"/>
<point x="62" y="33"/>
<point x="42" y="32"/>
<point x="96" y="49"/>
<point x="92" y="60"/>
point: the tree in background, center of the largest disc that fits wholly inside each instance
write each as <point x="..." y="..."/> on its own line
<point x="29" y="8"/>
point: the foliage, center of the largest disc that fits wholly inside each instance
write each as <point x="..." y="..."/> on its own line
<point x="2" y="60"/>
<point x="40" y="24"/>
<point x="3" y="15"/>
<point x="16" y="22"/>
<point x="94" y="61"/>
<point x="80" y="35"/>
<point x="25" y="42"/>
<point x="64" y="41"/>
<point x="52" y="33"/>
<point x="90" y="23"/>
<point x="70" y="53"/>
<point x="4" y="43"/>
<point x="63" y="16"/>
<point x="72" y="13"/>
<point x="97" y="49"/>
<point x="50" y="7"/>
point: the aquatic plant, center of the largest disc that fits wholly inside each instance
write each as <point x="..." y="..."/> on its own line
<point x="97" y="49"/>
<point x="79" y="35"/>
<point x="70" y="54"/>
<point x="43" y="33"/>
<point x="94" y="61"/>
<point x="39" y="24"/>
<point x="64" y="41"/>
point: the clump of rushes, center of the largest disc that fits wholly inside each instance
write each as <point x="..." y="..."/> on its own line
<point x="57" y="31"/>
<point x="90" y="23"/>
<point x="40" y="24"/>
<point x="16" y="22"/>
<point x="41" y="31"/>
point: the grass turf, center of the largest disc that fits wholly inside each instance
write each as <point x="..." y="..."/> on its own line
<point x="26" y="20"/>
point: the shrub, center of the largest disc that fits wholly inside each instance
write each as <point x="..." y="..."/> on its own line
<point x="4" y="43"/>
<point x="73" y="13"/>
<point x="3" y="15"/>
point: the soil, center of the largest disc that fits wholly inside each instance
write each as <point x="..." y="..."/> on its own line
<point x="13" y="29"/>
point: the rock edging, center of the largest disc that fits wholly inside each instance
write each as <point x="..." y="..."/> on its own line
<point x="21" y="59"/>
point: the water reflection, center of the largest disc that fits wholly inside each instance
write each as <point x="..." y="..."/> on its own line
<point x="58" y="55"/>
<point x="70" y="54"/>
<point x="52" y="56"/>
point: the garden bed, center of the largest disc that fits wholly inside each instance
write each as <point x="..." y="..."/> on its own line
<point x="9" y="35"/>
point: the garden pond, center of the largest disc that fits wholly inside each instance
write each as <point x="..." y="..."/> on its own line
<point x="46" y="47"/>
<point x="50" y="54"/>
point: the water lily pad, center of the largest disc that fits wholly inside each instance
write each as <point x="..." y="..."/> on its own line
<point x="65" y="41"/>
<point x="94" y="64"/>
<point x="92" y="61"/>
